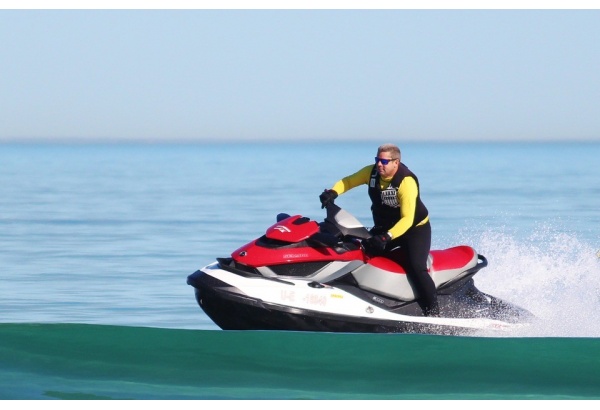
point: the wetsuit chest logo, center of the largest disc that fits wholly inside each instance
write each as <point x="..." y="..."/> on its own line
<point x="389" y="197"/>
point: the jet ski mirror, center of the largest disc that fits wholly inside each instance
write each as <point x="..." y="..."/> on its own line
<point x="282" y="216"/>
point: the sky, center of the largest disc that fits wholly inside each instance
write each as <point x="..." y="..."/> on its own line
<point x="298" y="74"/>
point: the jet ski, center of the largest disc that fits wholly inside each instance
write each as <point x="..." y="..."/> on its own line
<point x="304" y="275"/>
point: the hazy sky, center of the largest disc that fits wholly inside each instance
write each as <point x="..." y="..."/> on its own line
<point x="300" y="74"/>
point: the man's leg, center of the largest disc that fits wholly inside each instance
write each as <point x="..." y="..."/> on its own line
<point x="417" y="245"/>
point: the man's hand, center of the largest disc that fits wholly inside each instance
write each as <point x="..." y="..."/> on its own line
<point x="377" y="242"/>
<point x="327" y="197"/>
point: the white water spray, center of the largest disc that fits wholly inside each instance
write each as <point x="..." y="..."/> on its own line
<point x="553" y="275"/>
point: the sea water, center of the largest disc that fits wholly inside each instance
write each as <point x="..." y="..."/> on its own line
<point x="96" y="242"/>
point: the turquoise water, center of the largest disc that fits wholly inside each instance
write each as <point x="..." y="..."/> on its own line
<point x="68" y="361"/>
<point x="96" y="242"/>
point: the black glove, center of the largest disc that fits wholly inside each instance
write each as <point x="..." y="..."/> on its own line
<point x="376" y="242"/>
<point x="377" y="230"/>
<point x="327" y="197"/>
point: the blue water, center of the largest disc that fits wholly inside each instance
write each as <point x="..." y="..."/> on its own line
<point x="102" y="235"/>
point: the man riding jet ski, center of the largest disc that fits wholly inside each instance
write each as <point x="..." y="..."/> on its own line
<point x="302" y="275"/>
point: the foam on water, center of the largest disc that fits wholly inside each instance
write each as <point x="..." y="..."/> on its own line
<point x="552" y="274"/>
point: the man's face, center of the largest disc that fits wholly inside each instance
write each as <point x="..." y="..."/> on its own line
<point x="389" y="169"/>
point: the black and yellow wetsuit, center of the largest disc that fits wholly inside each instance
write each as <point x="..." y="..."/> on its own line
<point x="396" y="202"/>
<point x="398" y="210"/>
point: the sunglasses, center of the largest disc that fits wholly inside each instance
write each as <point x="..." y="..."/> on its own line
<point x="384" y="161"/>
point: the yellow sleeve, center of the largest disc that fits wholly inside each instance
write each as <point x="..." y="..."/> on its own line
<point x="407" y="198"/>
<point x="352" y="181"/>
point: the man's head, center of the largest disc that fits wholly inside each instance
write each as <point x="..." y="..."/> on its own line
<point x="387" y="160"/>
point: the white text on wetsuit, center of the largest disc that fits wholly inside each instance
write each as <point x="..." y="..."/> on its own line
<point x="389" y="197"/>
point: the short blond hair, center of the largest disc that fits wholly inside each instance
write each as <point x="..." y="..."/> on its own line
<point x="392" y="149"/>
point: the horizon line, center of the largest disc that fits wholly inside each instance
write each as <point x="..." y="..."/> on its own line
<point x="208" y="141"/>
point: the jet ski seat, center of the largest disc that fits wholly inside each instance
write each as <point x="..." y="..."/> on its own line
<point x="385" y="276"/>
